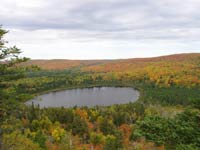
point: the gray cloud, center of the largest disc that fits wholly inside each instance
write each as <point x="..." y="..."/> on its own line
<point x="113" y="19"/>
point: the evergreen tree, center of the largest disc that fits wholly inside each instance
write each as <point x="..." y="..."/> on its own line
<point x="9" y="70"/>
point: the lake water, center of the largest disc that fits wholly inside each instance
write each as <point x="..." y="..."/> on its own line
<point x="102" y="96"/>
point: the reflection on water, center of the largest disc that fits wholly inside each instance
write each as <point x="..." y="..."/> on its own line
<point x="103" y="96"/>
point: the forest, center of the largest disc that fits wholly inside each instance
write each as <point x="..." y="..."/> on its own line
<point x="166" y="115"/>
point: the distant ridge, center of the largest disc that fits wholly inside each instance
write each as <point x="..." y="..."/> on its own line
<point x="61" y="64"/>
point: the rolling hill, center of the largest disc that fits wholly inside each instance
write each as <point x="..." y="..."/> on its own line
<point x="115" y="65"/>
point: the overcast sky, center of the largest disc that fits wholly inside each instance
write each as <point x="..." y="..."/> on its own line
<point x="101" y="29"/>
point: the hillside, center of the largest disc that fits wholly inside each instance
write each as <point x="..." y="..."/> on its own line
<point x="61" y="64"/>
<point x="179" y="69"/>
<point x="112" y="65"/>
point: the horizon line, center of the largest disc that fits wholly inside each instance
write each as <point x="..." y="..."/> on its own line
<point x="110" y="59"/>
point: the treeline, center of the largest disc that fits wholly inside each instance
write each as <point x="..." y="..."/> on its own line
<point x="150" y="91"/>
<point x="177" y="71"/>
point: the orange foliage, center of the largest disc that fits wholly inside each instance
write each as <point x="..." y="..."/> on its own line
<point x="165" y="71"/>
<point x="51" y="146"/>
<point x="126" y="130"/>
<point x="82" y="113"/>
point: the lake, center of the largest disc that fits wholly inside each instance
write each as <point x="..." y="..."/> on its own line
<point x="102" y="96"/>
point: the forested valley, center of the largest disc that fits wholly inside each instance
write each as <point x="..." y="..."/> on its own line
<point x="166" y="115"/>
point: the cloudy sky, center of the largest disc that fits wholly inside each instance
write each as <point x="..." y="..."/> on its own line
<point x="101" y="29"/>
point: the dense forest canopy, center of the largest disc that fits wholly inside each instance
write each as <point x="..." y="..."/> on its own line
<point x="166" y="116"/>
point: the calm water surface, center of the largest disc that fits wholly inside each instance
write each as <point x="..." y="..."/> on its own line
<point x="103" y="96"/>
